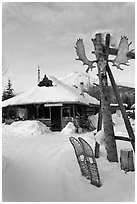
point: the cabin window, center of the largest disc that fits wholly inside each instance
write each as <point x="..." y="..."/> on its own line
<point x="66" y="112"/>
<point x="79" y="111"/>
<point x="44" y="112"/>
<point x="22" y="113"/>
<point x="41" y="113"/>
<point x="12" y="112"/>
<point x="32" y="115"/>
<point x="4" y="114"/>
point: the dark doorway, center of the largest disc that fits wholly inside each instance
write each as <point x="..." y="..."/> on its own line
<point x="55" y="119"/>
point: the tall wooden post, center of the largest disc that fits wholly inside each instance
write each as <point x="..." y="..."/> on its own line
<point x="100" y="52"/>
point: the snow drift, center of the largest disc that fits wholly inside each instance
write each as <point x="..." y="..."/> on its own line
<point x="45" y="169"/>
<point x="29" y="127"/>
<point x="100" y="137"/>
<point x="69" y="129"/>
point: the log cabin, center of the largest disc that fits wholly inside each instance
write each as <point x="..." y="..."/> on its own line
<point x="54" y="105"/>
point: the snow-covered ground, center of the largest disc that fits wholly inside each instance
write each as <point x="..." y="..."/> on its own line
<point x="41" y="166"/>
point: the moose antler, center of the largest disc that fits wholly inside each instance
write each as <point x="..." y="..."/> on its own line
<point x="80" y="51"/>
<point x="123" y="50"/>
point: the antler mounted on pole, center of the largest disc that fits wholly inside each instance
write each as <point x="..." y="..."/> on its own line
<point x="122" y="54"/>
<point x="80" y="50"/>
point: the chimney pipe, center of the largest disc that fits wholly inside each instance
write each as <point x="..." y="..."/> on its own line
<point x="82" y="88"/>
<point x="38" y="74"/>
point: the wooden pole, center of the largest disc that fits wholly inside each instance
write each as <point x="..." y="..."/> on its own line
<point x="126" y="120"/>
<point x="97" y="146"/>
<point x="101" y="55"/>
<point x="37" y="110"/>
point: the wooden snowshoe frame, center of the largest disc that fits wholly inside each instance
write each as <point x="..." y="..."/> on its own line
<point x="80" y="157"/>
<point x="86" y="160"/>
<point x="91" y="162"/>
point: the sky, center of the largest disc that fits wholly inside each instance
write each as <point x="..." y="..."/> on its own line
<point x="44" y="34"/>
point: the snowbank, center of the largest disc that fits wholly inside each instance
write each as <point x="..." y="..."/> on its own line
<point x="69" y="129"/>
<point x="29" y="127"/>
<point x="100" y="137"/>
<point x="119" y="125"/>
<point x="45" y="169"/>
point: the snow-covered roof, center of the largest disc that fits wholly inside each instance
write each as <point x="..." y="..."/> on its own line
<point x="117" y="105"/>
<point x="59" y="93"/>
<point x="91" y="100"/>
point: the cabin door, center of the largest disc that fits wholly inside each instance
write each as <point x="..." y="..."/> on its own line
<point x="55" y="118"/>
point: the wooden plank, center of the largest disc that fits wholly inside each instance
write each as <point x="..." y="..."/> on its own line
<point x="123" y="138"/>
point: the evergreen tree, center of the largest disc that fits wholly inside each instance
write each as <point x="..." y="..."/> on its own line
<point x="8" y="92"/>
